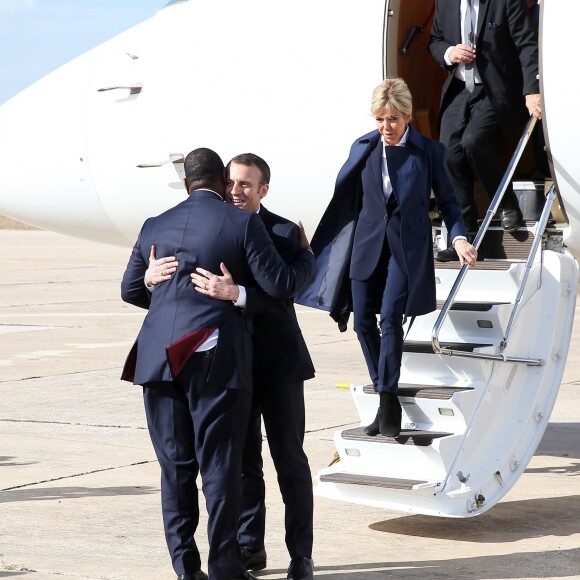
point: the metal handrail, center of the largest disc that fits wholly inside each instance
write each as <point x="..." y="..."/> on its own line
<point x="541" y="226"/>
<point x="494" y="206"/>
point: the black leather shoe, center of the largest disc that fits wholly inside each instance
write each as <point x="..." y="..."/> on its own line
<point x="447" y="255"/>
<point x="511" y="218"/>
<point x="199" y="575"/>
<point x="390" y="419"/>
<point x="374" y="428"/>
<point x="253" y="560"/>
<point x="301" y="569"/>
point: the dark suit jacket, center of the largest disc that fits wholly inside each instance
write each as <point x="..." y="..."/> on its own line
<point x="414" y="170"/>
<point x="506" y="54"/>
<point x="280" y="353"/>
<point x="203" y="231"/>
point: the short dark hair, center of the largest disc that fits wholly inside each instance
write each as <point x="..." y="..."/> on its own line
<point x="250" y="159"/>
<point x="203" y="166"/>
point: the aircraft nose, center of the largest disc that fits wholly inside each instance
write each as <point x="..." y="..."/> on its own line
<point x="42" y="141"/>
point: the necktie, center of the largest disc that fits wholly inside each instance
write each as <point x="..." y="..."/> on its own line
<point x="468" y="37"/>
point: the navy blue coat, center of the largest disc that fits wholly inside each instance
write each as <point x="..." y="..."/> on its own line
<point x="414" y="170"/>
<point x="204" y="231"/>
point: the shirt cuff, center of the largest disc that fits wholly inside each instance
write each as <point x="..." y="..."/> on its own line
<point x="446" y="56"/>
<point x="457" y="238"/>
<point x="241" y="301"/>
<point x="150" y="288"/>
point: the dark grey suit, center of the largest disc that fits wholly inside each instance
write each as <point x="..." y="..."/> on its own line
<point x="470" y="123"/>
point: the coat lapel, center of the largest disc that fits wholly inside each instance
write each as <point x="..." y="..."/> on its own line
<point x="372" y="173"/>
<point x="482" y="16"/>
<point x="376" y="162"/>
<point x="455" y="15"/>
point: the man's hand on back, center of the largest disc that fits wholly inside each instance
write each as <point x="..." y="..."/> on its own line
<point x="220" y="287"/>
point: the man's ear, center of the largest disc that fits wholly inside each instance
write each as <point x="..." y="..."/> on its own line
<point x="186" y="185"/>
<point x="264" y="190"/>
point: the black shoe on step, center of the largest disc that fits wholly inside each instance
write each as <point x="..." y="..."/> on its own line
<point x="390" y="419"/>
<point x="511" y="218"/>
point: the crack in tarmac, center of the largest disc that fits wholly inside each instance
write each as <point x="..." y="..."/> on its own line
<point x="331" y="427"/>
<point x="12" y="568"/>
<point x="43" y="422"/>
<point x="72" y="373"/>
<point x="77" y="475"/>
<point x="318" y="430"/>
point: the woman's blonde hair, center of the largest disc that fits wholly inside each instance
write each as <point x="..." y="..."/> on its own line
<point x="392" y="94"/>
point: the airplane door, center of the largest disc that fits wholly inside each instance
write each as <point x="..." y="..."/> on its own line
<point x="407" y="31"/>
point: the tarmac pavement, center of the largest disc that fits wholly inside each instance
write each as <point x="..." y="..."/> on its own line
<point x="79" y="482"/>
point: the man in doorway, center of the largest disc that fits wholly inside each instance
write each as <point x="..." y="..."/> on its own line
<point x="491" y="53"/>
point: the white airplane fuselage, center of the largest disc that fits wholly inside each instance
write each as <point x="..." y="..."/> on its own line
<point x="290" y="85"/>
<point x="94" y="148"/>
<point x="232" y="76"/>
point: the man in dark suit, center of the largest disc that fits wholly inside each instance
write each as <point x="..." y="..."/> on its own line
<point x="281" y="364"/>
<point x="193" y="358"/>
<point x="491" y="53"/>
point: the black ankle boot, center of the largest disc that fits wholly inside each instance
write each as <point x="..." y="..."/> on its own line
<point x="374" y="429"/>
<point x="389" y="415"/>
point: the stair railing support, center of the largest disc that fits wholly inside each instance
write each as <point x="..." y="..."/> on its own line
<point x="494" y="206"/>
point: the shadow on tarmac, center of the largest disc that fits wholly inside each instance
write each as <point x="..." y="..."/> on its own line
<point x="59" y="493"/>
<point x="509" y="521"/>
<point x="560" y="440"/>
<point x="5" y="462"/>
<point x="548" y="564"/>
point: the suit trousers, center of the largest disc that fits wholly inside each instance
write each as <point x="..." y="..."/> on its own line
<point x="282" y="407"/>
<point x="196" y="428"/>
<point x="384" y="292"/>
<point x="470" y="131"/>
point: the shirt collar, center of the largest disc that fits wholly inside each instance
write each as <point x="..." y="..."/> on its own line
<point x="208" y="189"/>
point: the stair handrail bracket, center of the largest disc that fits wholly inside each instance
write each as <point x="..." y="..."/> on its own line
<point x="494" y="206"/>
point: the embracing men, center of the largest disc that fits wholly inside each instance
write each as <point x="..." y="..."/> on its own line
<point x="193" y="357"/>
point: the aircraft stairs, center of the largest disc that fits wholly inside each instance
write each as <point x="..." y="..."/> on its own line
<point x="479" y="378"/>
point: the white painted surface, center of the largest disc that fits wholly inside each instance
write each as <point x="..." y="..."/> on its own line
<point x="291" y="86"/>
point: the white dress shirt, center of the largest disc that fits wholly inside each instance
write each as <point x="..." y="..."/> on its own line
<point x="460" y="69"/>
<point x="387" y="187"/>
